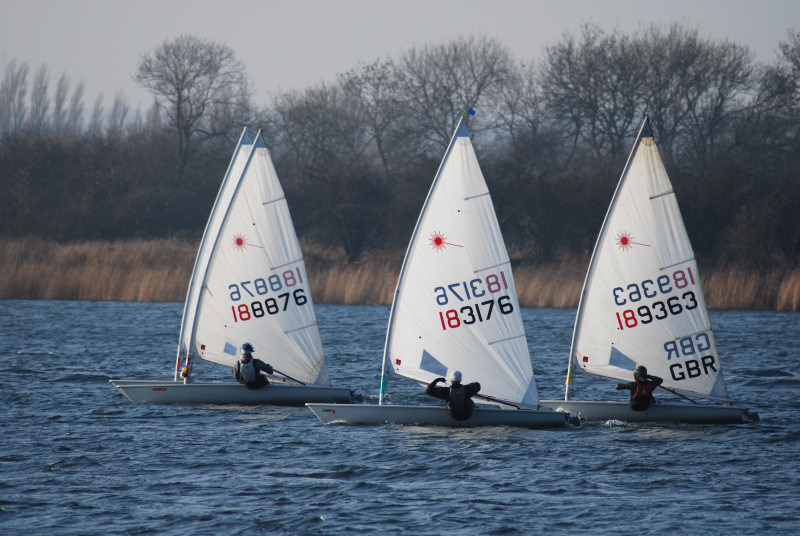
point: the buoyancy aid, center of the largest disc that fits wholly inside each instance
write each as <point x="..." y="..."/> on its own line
<point x="642" y="397"/>
<point x="460" y="405"/>
<point x="248" y="371"/>
<point x="458" y="398"/>
<point x="643" y="388"/>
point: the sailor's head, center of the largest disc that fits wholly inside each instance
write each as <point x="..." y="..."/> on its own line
<point x="247" y="349"/>
<point x="455" y="376"/>
<point x="640" y="372"/>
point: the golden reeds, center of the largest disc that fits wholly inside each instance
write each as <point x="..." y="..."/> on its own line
<point x="159" y="270"/>
<point x="136" y="270"/>
<point x="556" y="284"/>
<point x="737" y="288"/>
<point x="370" y="281"/>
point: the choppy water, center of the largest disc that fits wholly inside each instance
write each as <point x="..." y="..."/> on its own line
<point x="77" y="458"/>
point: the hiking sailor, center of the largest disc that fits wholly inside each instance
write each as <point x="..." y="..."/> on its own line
<point x="248" y="369"/>
<point x="641" y="389"/>
<point x="458" y="396"/>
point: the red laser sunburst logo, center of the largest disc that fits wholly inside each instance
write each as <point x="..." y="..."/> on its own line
<point x="240" y="242"/>
<point x="438" y="241"/>
<point x="625" y="241"/>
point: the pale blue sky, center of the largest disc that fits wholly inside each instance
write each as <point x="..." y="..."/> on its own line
<point x="291" y="44"/>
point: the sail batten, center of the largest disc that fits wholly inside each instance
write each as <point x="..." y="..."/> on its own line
<point x="284" y="265"/>
<point x="673" y="265"/>
<point x="662" y="194"/>
<point x="308" y="326"/>
<point x="506" y="339"/>
<point x="487" y="268"/>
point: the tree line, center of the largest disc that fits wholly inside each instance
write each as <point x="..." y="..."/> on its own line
<point x="356" y="156"/>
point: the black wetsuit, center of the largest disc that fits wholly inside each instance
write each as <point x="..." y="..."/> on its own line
<point x="260" y="380"/>
<point x="458" y="397"/>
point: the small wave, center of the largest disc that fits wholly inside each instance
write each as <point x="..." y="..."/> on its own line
<point x="81" y="378"/>
<point x="615" y="422"/>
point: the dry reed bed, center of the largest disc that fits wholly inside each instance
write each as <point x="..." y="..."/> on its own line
<point x="552" y="285"/>
<point x="138" y="270"/>
<point x="159" y="270"/>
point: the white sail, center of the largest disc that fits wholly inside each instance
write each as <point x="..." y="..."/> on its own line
<point x="254" y="286"/>
<point x="455" y="306"/>
<point x="642" y="303"/>
<point x="218" y="211"/>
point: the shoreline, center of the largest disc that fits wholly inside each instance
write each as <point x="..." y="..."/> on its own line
<point x="159" y="271"/>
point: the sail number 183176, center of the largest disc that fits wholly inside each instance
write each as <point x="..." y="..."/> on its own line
<point x="465" y="291"/>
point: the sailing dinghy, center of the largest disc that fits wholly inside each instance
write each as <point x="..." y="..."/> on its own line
<point x="249" y="284"/>
<point x="455" y="307"/>
<point x="642" y="304"/>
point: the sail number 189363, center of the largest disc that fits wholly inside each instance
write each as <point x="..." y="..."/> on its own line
<point x="668" y="305"/>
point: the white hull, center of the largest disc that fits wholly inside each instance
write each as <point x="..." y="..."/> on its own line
<point x="371" y="414"/>
<point x="685" y="413"/>
<point x="166" y="392"/>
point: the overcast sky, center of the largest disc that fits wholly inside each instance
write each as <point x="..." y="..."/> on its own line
<point x="292" y="44"/>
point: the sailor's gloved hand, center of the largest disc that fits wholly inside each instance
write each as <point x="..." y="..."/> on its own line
<point x="439" y="380"/>
<point x="270" y="370"/>
<point x="620" y="386"/>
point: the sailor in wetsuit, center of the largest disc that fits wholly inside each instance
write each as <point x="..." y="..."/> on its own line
<point x="641" y="389"/>
<point x="458" y="396"/>
<point x="248" y="369"/>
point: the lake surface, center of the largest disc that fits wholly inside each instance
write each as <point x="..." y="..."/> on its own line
<point x="76" y="457"/>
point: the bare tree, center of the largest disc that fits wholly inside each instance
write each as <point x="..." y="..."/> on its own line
<point x="593" y="87"/>
<point x="788" y="72"/>
<point x="115" y="126"/>
<point x="95" y="128"/>
<point x="775" y="112"/>
<point x="40" y="105"/>
<point x="13" y="91"/>
<point x="331" y="169"/>
<point x="603" y="84"/>
<point x="74" y="124"/>
<point x="721" y="83"/>
<point x="520" y="105"/>
<point x="201" y="86"/>
<point x="59" y="120"/>
<point x="153" y="118"/>
<point x="375" y="89"/>
<point x="441" y="83"/>
<point x="691" y="89"/>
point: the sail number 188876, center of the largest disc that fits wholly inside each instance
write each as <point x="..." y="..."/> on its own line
<point x="263" y="286"/>
<point x="272" y="306"/>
